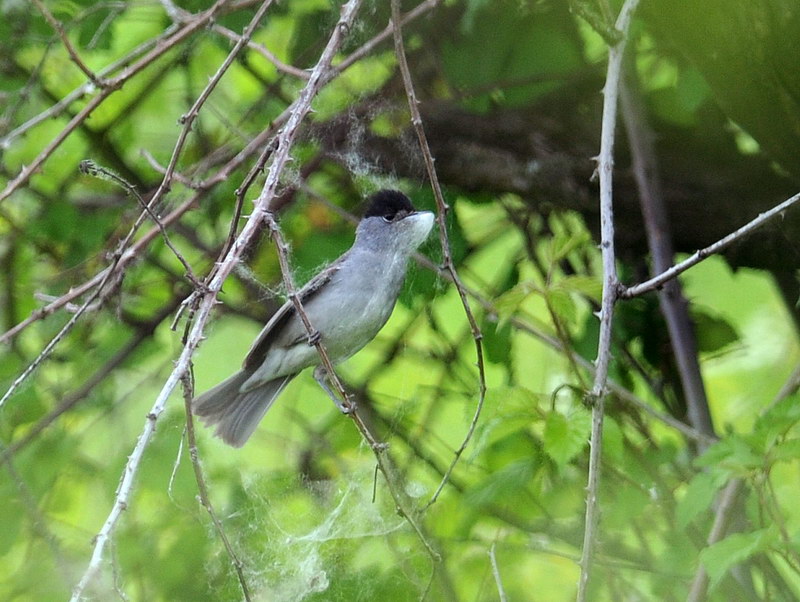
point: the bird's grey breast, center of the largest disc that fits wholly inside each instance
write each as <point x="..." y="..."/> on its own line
<point x="357" y="301"/>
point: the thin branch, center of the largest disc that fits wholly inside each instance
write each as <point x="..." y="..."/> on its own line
<point x="726" y="504"/>
<point x="91" y="168"/>
<point x="263" y="51"/>
<point x="73" y="54"/>
<point x="441" y="217"/>
<point x="202" y="488"/>
<point x="501" y="592"/>
<point x="111" y="86"/>
<point x="605" y="168"/>
<point x="207" y="299"/>
<point x="142" y="333"/>
<point x="712" y="249"/>
<point x="85" y="88"/>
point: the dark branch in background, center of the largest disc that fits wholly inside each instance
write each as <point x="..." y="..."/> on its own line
<point x="674" y="306"/>
<point x="441" y="217"/>
<point x="605" y="170"/>
<point x="548" y="168"/>
<point x="143" y="332"/>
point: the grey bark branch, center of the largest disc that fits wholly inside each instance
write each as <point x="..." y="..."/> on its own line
<point x="605" y="170"/>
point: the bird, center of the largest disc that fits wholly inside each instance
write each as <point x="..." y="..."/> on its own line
<point x="347" y="303"/>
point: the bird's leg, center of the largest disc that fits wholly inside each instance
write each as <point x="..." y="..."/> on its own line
<point x="321" y="376"/>
<point x="314" y="338"/>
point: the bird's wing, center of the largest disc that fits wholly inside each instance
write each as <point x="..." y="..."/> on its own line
<point x="255" y="357"/>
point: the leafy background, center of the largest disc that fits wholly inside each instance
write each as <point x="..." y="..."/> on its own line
<point x="510" y="99"/>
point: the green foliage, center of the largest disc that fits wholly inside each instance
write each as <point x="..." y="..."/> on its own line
<point x="301" y="503"/>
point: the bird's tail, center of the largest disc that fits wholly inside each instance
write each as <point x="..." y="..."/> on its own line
<point x="235" y="413"/>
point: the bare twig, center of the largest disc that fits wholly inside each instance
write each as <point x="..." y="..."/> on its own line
<point x="501" y="592"/>
<point x="717" y="247"/>
<point x="111" y="86"/>
<point x="73" y="54"/>
<point x="263" y="51"/>
<point x="91" y="168"/>
<point x="202" y="488"/>
<point x="605" y="168"/>
<point x="207" y="299"/>
<point x="441" y="217"/>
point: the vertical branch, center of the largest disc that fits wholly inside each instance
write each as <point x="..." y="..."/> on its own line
<point x="202" y="488"/>
<point x="441" y="216"/>
<point x="674" y="305"/>
<point x="605" y="168"/>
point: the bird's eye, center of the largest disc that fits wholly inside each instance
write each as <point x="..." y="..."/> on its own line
<point x="388" y="218"/>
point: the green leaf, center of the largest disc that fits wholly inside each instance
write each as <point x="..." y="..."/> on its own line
<point x="503" y="484"/>
<point x="734" y="549"/>
<point x="508" y="303"/>
<point x="732" y="453"/>
<point x="713" y="333"/>
<point x="588" y="286"/>
<point x="786" y="451"/>
<point x="566" y="436"/>
<point x="496" y="341"/>
<point x="698" y="497"/>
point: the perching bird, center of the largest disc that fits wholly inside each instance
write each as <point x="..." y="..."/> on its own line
<point x="348" y="302"/>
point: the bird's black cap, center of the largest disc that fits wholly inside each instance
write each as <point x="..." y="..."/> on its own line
<point x="388" y="203"/>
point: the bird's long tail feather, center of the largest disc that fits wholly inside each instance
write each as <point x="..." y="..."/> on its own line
<point x="236" y="414"/>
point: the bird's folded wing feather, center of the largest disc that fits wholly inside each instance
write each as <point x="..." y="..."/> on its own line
<point x="280" y="318"/>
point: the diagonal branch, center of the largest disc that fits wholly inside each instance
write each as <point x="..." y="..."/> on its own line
<point x="206" y="300"/>
<point x="712" y="249"/>
<point x="441" y="216"/>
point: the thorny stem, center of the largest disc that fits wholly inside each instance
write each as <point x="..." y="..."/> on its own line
<point x="441" y="216"/>
<point x="188" y="393"/>
<point x="377" y="448"/>
<point x="717" y="247"/>
<point x="605" y="167"/>
<point x="207" y="299"/>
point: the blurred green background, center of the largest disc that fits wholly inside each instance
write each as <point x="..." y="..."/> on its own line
<point x="510" y="96"/>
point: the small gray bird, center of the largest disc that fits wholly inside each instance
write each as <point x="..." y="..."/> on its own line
<point x="347" y="303"/>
